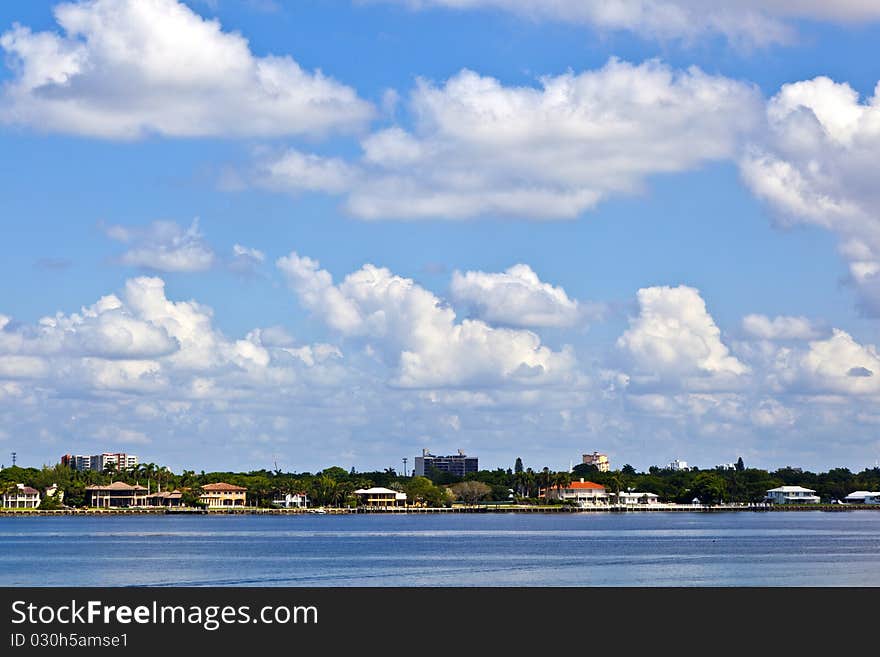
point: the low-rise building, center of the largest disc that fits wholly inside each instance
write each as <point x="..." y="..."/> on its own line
<point x="20" y="496"/>
<point x="54" y="491"/>
<point x="582" y="493"/>
<point x="599" y="460"/>
<point x="792" y="495"/>
<point x="223" y="496"/>
<point x="168" y="498"/>
<point x="863" y="497"/>
<point x="380" y="497"/>
<point x="633" y="498"/>
<point x="117" y="495"/>
<point x="291" y="500"/>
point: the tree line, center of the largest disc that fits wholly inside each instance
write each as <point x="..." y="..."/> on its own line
<point x="335" y="486"/>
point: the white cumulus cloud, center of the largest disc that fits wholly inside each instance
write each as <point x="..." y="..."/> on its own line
<point x="780" y="327"/>
<point x="743" y="22"/>
<point x="516" y="297"/>
<point x="674" y="336"/>
<point x="419" y="336"/>
<point x="124" y="69"/>
<point x="817" y="166"/>
<point x="164" y="246"/>
<point x="479" y="147"/>
<point x="838" y="365"/>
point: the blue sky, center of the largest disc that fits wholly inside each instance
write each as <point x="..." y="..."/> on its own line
<point x="702" y="246"/>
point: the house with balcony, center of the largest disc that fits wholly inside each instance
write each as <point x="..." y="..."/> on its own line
<point x="223" y="496"/>
<point x="20" y="496"/>
<point x="118" y="495"/>
<point x="792" y="495"/>
<point x="583" y="493"/>
<point x="291" y="500"/>
<point x="380" y="497"/>
<point x="168" y="498"/>
<point x="863" y="497"/>
<point x="635" y="498"/>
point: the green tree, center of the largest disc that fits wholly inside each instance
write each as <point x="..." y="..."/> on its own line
<point x="709" y="487"/>
<point x="585" y="470"/>
<point x="323" y="491"/>
<point x="518" y="466"/>
<point x="471" y="492"/>
<point x="421" y="490"/>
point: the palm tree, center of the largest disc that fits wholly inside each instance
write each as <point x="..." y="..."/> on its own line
<point x="562" y="479"/>
<point x="530" y="481"/>
<point x="617" y="482"/>
<point x="545" y="479"/>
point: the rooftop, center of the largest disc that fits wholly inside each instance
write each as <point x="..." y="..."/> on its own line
<point x="21" y="489"/>
<point x="585" y="485"/>
<point x="791" y="489"/>
<point x="223" y="486"/>
<point x="860" y="494"/>
<point x="117" y="486"/>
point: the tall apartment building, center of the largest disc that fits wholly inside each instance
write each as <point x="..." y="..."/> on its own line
<point x="80" y="463"/>
<point x="677" y="465"/>
<point x="599" y="460"/>
<point x="100" y="462"/>
<point x="459" y="464"/>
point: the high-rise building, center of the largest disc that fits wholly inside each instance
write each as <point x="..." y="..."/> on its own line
<point x="100" y="462"/>
<point x="599" y="460"/>
<point x="678" y="466"/>
<point x="459" y="464"/>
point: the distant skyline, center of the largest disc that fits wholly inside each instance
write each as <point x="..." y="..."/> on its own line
<point x="240" y="232"/>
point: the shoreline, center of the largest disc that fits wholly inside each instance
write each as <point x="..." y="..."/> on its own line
<point x="676" y="508"/>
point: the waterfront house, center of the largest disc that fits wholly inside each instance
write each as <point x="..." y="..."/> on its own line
<point x="792" y="495"/>
<point x="54" y="491"/>
<point x="582" y="493"/>
<point x="19" y="496"/>
<point x="166" y="498"/>
<point x="117" y="495"/>
<point x="863" y="497"/>
<point x="223" y="496"/>
<point x="291" y="500"/>
<point x="633" y="498"/>
<point x="380" y="497"/>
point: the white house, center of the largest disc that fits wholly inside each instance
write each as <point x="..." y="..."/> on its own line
<point x="583" y="493"/>
<point x="20" y="497"/>
<point x="291" y="500"/>
<point x="863" y="497"/>
<point x="380" y="497"/>
<point x="54" y="491"/>
<point x="631" y="498"/>
<point x="792" y="495"/>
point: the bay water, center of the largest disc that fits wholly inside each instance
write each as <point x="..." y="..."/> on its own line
<point x="809" y="548"/>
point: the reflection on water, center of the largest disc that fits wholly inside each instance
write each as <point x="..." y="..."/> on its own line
<point x="636" y="549"/>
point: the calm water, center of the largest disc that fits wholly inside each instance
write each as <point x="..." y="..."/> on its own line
<point x="637" y="549"/>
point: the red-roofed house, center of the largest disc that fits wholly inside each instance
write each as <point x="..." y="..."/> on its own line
<point x="223" y="496"/>
<point x="583" y="493"/>
<point x="20" y="497"/>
